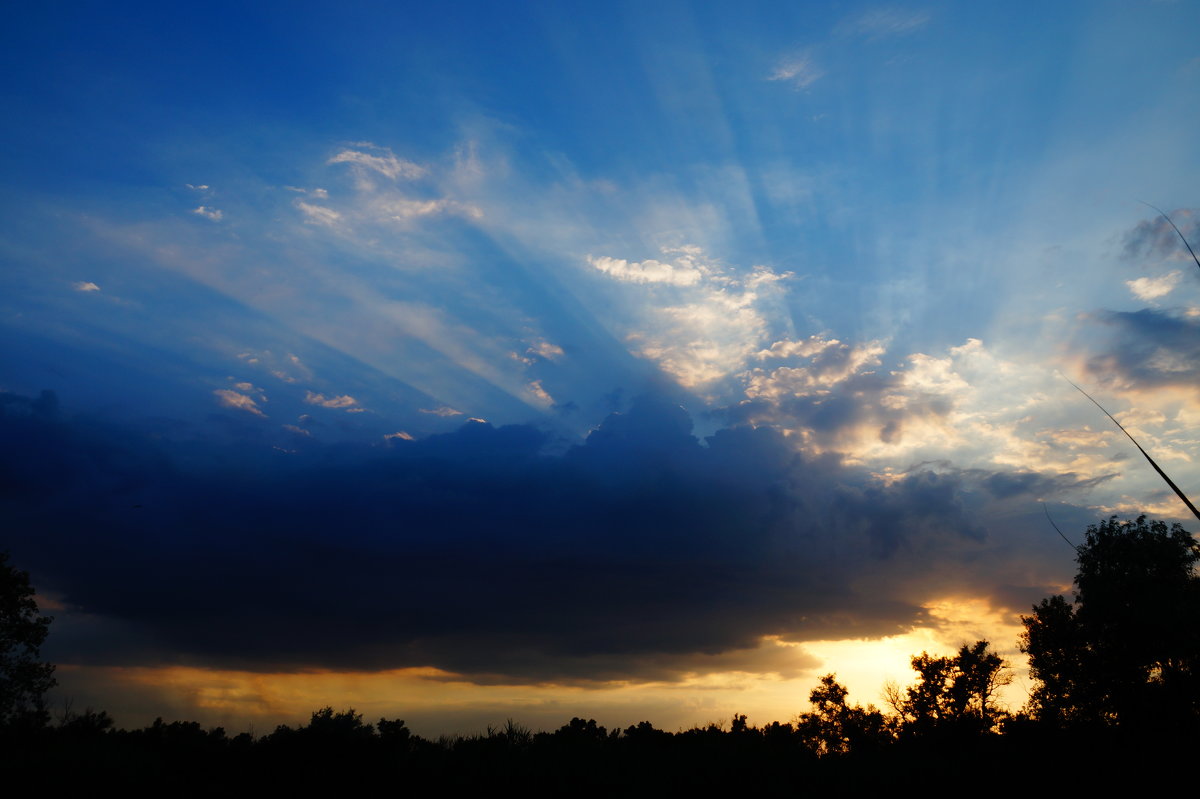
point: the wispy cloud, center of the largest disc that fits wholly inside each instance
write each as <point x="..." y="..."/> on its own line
<point x="318" y="214"/>
<point x="377" y="203"/>
<point x="539" y="394"/>
<point x="85" y="285"/>
<point x="345" y="402"/>
<point x="233" y="399"/>
<point x="800" y="70"/>
<point x="214" y="214"/>
<point x="648" y="271"/>
<point x="880" y="23"/>
<point x="544" y="349"/>
<point x="444" y="410"/>
<point x="402" y="209"/>
<point x="386" y="164"/>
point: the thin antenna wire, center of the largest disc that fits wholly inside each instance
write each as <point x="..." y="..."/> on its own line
<point x="1161" y="473"/>
<point x="1055" y="526"/>
<point x="1185" y="241"/>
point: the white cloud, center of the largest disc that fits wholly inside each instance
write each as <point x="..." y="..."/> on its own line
<point x="1151" y="288"/>
<point x="300" y="431"/>
<point x="213" y="214"/>
<point x="718" y="326"/>
<point x="344" y="402"/>
<point x="830" y="362"/>
<point x="400" y="434"/>
<point x="544" y="349"/>
<point x="232" y="399"/>
<point x="648" y="271"/>
<point x="288" y="368"/>
<point x="883" y="22"/>
<point x="540" y="394"/>
<point x="318" y="214"/>
<point x="387" y="164"/>
<point x="444" y="410"/>
<point x="402" y="209"/>
<point x="201" y="187"/>
<point x="803" y="348"/>
<point x="85" y="285"/>
<point x="800" y="70"/>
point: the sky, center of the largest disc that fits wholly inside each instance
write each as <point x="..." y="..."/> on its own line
<point x="466" y="361"/>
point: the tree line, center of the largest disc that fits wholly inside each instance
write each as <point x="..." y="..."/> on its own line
<point x="1115" y="670"/>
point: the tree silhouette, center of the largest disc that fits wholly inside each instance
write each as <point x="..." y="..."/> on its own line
<point x="834" y="727"/>
<point x="24" y="679"/>
<point x="955" y="695"/>
<point x="1126" y="653"/>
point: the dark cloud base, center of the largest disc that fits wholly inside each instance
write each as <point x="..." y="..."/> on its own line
<point x="475" y="552"/>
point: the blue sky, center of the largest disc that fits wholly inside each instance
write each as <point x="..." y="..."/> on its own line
<point x="316" y="283"/>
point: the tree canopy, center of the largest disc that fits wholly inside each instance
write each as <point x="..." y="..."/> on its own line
<point x="954" y="695"/>
<point x="1126" y="652"/>
<point x="24" y="679"/>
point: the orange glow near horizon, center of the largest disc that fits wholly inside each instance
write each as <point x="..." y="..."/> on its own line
<point x="434" y="702"/>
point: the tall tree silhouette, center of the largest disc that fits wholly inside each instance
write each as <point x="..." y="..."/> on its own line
<point x="24" y="679"/>
<point x="1126" y="652"/>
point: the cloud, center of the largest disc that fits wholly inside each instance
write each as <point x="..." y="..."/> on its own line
<point x="702" y="320"/>
<point x="1151" y="288"/>
<point x="214" y="214"/>
<point x="444" y="410"/>
<point x="648" y="271"/>
<point x="881" y="23"/>
<point x="402" y="209"/>
<point x="400" y="434"/>
<point x="829" y="362"/>
<point x="544" y="349"/>
<point x="1147" y="350"/>
<point x="375" y="204"/>
<point x="232" y="399"/>
<point x="386" y="164"/>
<point x="344" y="402"/>
<point x="287" y="367"/>
<point x="626" y="557"/>
<point x="318" y="214"/>
<point x="1155" y="240"/>
<point x="539" y="394"/>
<point x="800" y="70"/>
<point x="85" y="285"/>
<point x="320" y="194"/>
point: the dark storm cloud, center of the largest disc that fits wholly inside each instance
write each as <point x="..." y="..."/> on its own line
<point x="1035" y="485"/>
<point x="1155" y="240"/>
<point x="473" y="551"/>
<point x="1149" y="349"/>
